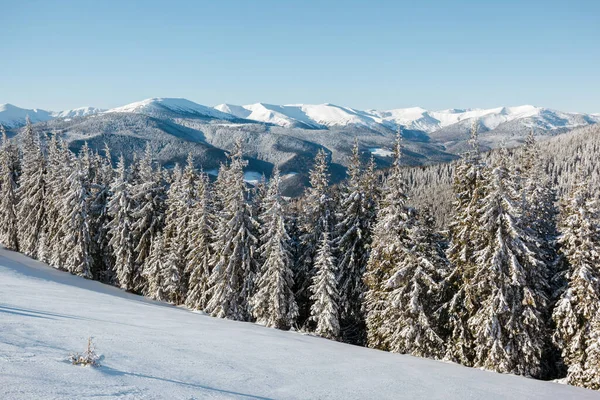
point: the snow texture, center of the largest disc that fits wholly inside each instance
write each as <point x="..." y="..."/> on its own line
<point x="150" y="350"/>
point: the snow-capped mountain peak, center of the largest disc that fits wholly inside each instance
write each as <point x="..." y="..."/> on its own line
<point x="160" y="105"/>
<point x="12" y="116"/>
<point x="77" y="112"/>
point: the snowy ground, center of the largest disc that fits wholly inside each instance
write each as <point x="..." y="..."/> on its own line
<point x="155" y="351"/>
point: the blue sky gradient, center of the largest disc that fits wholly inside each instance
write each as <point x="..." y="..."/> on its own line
<point x="363" y="54"/>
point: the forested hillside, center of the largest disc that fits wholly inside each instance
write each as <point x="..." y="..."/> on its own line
<point x="510" y="284"/>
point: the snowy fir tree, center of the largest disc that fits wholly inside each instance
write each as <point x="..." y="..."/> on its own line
<point x="77" y="239"/>
<point x="60" y="163"/>
<point x="122" y="239"/>
<point x="464" y="237"/>
<point x="509" y="285"/>
<point x="147" y="215"/>
<point x="102" y="268"/>
<point x="356" y="216"/>
<point x="273" y="303"/>
<point x="200" y="236"/>
<point x="580" y="302"/>
<point x="233" y="264"/>
<point x="391" y="243"/>
<point x="31" y="213"/>
<point x="324" y="311"/>
<point x="413" y="298"/>
<point x="316" y="213"/>
<point x="8" y="197"/>
<point x="154" y="268"/>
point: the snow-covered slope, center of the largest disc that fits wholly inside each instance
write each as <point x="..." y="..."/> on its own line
<point x="13" y="116"/>
<point x="161" y="106"/>
<point x="154" y="351"/>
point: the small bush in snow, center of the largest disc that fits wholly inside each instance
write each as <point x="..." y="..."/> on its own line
<point x="88" y="357"/>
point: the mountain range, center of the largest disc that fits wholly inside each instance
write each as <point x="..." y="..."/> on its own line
<point x="290" y="135"/>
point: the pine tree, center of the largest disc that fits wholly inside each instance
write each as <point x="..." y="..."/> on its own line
<point x="413" y="298"/>
<point x="180" y="199"/>
<point x="233" y="264"/>
<point x="8" y="199"/>
<point x="31" y="212"/>
<point x="352" y="241"/>
<point x="592" y="362"/>
<point x="580" y="302"/>
<point x="509" y="284"/>
<point x="324" y="311"/>
<point x="120" y="228"/>
<point x="148" y="197"/>
<point x="316" y="213"/>
<point x="103" y="260"/>
<point x="155" y="268"/>
<point x="273" y="304"/>
<point x="77" y="239"/>
<point x="60" y="165"/>
<point x="200" y="235"/>
<point x="391" y="242"/>
<point x="469" y="186"/>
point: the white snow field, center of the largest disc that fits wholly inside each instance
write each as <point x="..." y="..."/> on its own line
<point x="155" y="351"/>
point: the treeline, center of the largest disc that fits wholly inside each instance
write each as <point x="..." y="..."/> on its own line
<point x="513" y="286"/>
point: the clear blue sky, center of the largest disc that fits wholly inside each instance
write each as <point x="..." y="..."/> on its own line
<point x="364" y="54"/>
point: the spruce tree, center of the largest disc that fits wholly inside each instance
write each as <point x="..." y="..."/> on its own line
<point x="413" y="298"/>
<point x="154" y="270"/>
<point x="352" y="241"/>
<point x="147" y="216"/>
<point x="509" y="284"/>
<point x="8" y="199"/>
<point x="233" y="264"/>
<point x="120" y="228"/>
<point x="77" y="240"/>
<point x="579" y="304"/>
<point x="60" y="165"/>
<point x="324" y="311"/>
<point x="391" y="243"/>
<point x="273" y="304"/>
<point x="31" y="213"/>
<point x="200" y="236"/>
<point x="103" y="260"/>
<point x="315" y="214"/>
<point x="470" y="178"/>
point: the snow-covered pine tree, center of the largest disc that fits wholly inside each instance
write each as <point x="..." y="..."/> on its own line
<point x="413" y="299"/>
<point x="464" y="240"/>
<point x="324" y="311"/>
<point x="233" y="264"/>
<point x="579" y="240"/>
<point x="509" y="284"/>
<point x="200" y="236"/>
<point x="180" y="199"/>
<point x="31" y="213"/>
<point x="352" y="240"/>
<point x="391" y="242"/>
<point x="154" y="268"/>
<point x="122" y="240"/>
<point x="147" y="216"/>
<point x="75" y="208"/>
<point x="100" y="194"/>
<point x="539" y="213"/>
<point x="60" y="165"/>
<point x="8" y="198"/>
<point x="314" y="215"/>
<point x="274" y="304"/>
<point x="592" y="362"/>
